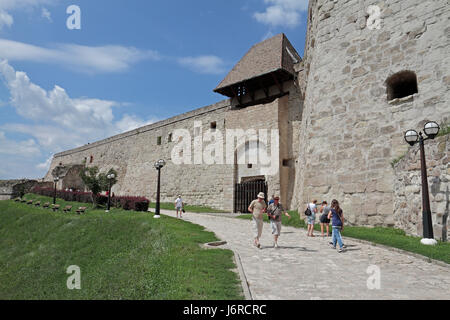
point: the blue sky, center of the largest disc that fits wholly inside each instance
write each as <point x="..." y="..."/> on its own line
<point x="132" y="63"/>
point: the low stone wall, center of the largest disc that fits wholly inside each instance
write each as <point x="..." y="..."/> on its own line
<point x="14" y="188"/>
<point x="408" y="188"/>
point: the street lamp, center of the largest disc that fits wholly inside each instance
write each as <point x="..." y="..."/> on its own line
<point x="158" y="165"/>
<point x="110" y="178"/>
<point x="55" y="180"/>
<point x="431" y="129"/>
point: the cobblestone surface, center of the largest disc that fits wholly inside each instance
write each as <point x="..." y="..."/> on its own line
<point x="308" y="268"/>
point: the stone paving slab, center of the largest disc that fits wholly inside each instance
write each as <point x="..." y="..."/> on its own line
<point x="308" y="268"/>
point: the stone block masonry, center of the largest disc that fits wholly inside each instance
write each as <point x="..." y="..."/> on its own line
<point x="350" y="131"/>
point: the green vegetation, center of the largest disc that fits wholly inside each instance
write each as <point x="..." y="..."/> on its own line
<point x="121" y="254"/>
<point x="445" y="129"/>
<point x="382" y="235"/>
<point x="97" y="182"/>
<point x="188" y="208"/>
<point x="397" y="160"/>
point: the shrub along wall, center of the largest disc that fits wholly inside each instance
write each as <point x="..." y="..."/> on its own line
<point x="124" y="202"/>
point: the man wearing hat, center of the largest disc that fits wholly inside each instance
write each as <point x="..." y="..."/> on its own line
<point x="257" y="208"/>
<point x="274" y="211"/>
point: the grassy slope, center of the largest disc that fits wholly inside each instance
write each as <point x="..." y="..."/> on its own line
<point x="387" y="236"/>
<point x="122" y="255"/>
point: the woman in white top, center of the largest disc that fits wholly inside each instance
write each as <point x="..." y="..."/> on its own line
<point x="179" y="206"/>
<point x="311" y="219"/>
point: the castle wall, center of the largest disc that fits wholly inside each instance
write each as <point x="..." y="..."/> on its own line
<point x="133" y="154"/>
<point x="350" y="132"/>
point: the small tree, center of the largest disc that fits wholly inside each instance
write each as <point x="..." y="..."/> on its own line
<point x="96" y="182"/>
<point x="104" y="181"/>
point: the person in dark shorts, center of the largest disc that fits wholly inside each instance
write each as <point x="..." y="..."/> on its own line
<point x="324" y="210"/>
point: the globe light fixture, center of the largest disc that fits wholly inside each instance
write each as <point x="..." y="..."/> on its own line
<point x="411" y="137"/>
<point x="431" y="129"/>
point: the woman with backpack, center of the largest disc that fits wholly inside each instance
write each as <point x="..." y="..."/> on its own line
<point x="337" y="224"/>
<point x="311" y="217"/>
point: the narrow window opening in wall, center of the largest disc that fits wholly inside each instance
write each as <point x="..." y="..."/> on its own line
<point x="401" y="84"/>
<point x="213" y="125"/>
<point x="158" y="141"/>
<point x="92" y="159"/>
<point x="170" y="138"/>
<point x="288" y="163"/>
<point x="249" y="165"/>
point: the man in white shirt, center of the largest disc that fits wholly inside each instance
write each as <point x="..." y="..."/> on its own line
<point x="179" y="206"/>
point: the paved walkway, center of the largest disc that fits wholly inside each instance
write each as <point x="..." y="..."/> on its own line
<point x="308" y="268"/>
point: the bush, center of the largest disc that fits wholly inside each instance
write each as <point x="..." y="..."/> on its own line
<point x="125" y="202"/>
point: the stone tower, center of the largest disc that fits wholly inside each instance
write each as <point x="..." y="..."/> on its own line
<point x="367" y="78"/>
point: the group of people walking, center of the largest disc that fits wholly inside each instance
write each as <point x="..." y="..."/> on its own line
<point x="333" y="214"/>
<point x="275" y="210"/>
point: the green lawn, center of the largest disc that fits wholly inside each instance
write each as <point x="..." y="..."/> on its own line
<point x="121" y="254"/>
<point x="387" y="236"/>
<point x="188" y="208"/>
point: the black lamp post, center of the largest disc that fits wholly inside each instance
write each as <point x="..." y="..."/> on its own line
<point x="110" y="178"/>
<point x="431" y="129"/>
<point x="54" y="193"/>
<point x="158" y="165"/>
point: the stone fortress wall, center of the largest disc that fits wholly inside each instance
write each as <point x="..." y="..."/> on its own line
<point x="132" y="154"/>
<point x="350" y="130"/>
<point x="340" y="124"/>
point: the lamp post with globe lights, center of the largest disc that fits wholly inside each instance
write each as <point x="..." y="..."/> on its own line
<point x="55" y="180"/>
<point x="110" y="178"/>
<point x="158" y="165"/>
<point x="431" y="129"/>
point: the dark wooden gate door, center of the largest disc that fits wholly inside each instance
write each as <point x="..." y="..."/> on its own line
<point x="246" y="192"/>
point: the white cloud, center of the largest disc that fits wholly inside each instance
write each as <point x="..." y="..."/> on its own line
<point x="5" y="19"/>
<point x="207" y="64"/>
<point x="7" y="6"/>
<point x="282" y="12"/>
<point x="268" y="35"/>
<point x="58" y="122"/>
<point x="131" y="122"/>
<point x="45" y="165"/>
<point x="46" y="14"/>
<point x="101" y="59"/>
<point x="25" y="148"/>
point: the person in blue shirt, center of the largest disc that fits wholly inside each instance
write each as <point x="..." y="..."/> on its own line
<point x="337" y="224"/>
<point x="271" y="200"/>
